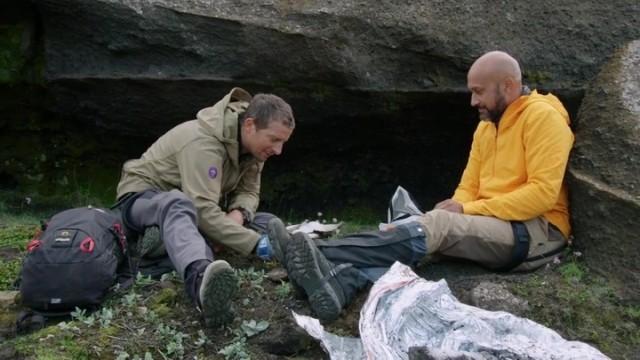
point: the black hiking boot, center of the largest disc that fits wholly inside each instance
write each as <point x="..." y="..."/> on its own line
<point x="217" y="290"/>
<point x="212" y="287"/>
<point x="279" y="237"/>
<point x="310" y="269"/>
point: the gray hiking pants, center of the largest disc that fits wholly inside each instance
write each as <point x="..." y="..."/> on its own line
<point x="175" y="216"/>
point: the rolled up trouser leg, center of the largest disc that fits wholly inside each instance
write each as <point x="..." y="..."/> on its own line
<point x="405" y="243"/>
<point x="175" y="215"/>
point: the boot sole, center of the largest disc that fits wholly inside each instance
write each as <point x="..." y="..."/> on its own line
<point x="277" y="233"/>
<point x="217" y="296"/>
<point x="306" y="271"/>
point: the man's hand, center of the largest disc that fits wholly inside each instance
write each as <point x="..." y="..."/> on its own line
<point x="236" y="215"/>
<point x="388" y="227"/>
<point x="450" y="205"/>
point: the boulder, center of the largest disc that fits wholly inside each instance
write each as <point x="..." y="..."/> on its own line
<point x="8" y="298"/>
<point x="604" y="171"/>
<point x="495" y="297"/>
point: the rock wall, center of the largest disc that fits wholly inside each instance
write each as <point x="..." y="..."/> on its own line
<point x="325" y="57"/>
<point x="378" y="87"/>
<point x="605" y="171"/>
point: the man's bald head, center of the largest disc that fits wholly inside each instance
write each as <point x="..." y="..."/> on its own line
<point x="495" y="81"/>
<point x="497" y="65"/>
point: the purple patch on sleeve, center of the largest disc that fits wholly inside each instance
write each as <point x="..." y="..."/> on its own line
<point x="213" y="172"/>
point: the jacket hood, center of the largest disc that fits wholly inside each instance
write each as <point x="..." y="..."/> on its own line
<point x="213" y="119"/>
<point x="511" y="113"/>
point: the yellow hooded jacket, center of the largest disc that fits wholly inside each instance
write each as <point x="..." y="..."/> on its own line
<point x="516" y="171"/>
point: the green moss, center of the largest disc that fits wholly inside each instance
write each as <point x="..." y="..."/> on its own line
<point x="16" y="235"/>
<point x="9" y="270"/>
<point x="163" y="301"/>
<point x="7" y="318"/>
<point x="582" y="306"/>
<point x="12" y="60"/>
<point x="105" y="336"/>
<point x="537" y="77"/>
<point x="52" y="343"/>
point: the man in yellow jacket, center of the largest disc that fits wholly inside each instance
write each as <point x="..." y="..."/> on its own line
<point x="509" y="212"/>
<point x="203" y="178"/>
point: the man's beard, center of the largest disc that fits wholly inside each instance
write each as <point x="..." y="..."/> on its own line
<point x="495" y="114"/>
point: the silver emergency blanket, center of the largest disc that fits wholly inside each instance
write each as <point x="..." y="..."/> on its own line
<point x="404" y="310"/>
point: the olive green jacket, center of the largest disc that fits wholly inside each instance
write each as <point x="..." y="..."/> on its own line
<point x="202" y="158"/>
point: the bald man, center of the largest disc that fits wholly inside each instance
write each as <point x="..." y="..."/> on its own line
<point x="509" y="212"/>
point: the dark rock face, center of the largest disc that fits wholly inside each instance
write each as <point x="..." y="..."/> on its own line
<point x="378" y="88"/>
<point x="605" y="169"/>
<point x="314" y="53"/>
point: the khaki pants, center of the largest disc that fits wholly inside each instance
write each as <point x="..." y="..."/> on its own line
<point x="487" y="240"/>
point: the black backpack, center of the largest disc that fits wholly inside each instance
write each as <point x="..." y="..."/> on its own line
<point x="74" y="261"/>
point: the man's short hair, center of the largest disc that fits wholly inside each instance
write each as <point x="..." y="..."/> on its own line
<point x="265" y="108"/>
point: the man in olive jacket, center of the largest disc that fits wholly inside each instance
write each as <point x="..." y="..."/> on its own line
<point x="205" y="174"/>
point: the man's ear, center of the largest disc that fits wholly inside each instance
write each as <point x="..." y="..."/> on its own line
<point x="249" y="123"/>
<point x="509" y="84"/>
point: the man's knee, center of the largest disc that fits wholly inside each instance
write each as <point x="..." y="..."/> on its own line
<point x="260" y="221"/>
<point x="176" y="199"/>
<point x="438" y="222"/>
<point x="438" y="216"/>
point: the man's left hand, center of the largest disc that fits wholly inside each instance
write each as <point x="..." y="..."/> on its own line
<point x="450" y="205"/>
<point x="236" y="215"/>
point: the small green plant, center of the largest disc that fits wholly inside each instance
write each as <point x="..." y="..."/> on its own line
<point x="123" y="355"/>
<point x="172" y="276"/>
<point x="81" y="316"/>
<point x="572" y="272"/>
<point x="104" y="316"/>
<point x="130" y="299"/>
<point x="201" y="340"/>
<point x="633" y="313"/>
<point x="251" y="328"/>
<point x="283" y="290"/>
<point x="173" y="340"/>
<point x="252" y="278"/>
<point x="237" y="350"/>
<point x="142" y="281"/>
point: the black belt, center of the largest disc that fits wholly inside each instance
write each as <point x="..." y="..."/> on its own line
<point x="521" y="244"/>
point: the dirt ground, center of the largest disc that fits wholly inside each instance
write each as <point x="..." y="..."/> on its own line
<point x="154" y="320"/>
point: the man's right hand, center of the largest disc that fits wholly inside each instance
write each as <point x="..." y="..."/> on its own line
<point x="236" y="216"/>
<point x="450" y="205"/>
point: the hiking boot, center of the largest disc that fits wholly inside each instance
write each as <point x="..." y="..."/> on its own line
<point x="310" y="269"/>
<point x="217" y="290"/>
<point x="279" y="237"/>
